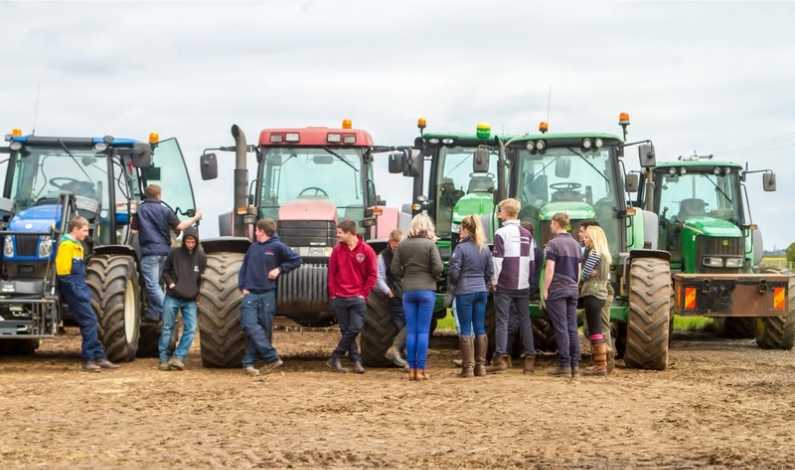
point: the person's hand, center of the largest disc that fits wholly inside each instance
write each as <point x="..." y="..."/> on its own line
<point x="245" y="291"/>
<point x="274" y="273"/>
<point x="199" y="214"/>
<point x="545" y="294"/>
<point x="171" y="286"/>
<point x="390" y="294"/>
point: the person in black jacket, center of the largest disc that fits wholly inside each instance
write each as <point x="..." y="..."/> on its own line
<point x="266" y="259"/>
<point x="182" y="274"/>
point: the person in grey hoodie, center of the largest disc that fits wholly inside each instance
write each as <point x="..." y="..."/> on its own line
<point x="469" y="274"/>
<point x="182" y="274"/>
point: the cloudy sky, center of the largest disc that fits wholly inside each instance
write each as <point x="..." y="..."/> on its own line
<point x="714" y="77"/>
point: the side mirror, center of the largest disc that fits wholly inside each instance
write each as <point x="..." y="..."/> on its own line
<point x="646" y="155"/>
<point x="562" y="168"/>
<point x="412" y="165"/>
<point x="209" y="166"/>
<point x="480" y="160"/>
<point x="632" y="183"/>
<point x="397" y="161"/>
<point x="151" y="173"/>
<point x="141" y="155"/>
<point x="769" y="181"/>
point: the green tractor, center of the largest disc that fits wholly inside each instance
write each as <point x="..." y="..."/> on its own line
<point x="716" y="250"/>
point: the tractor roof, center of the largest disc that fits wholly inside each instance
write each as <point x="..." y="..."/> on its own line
<point x="551" y="137"/>
<point x="706" y="164"/>
<point x="465" y="139"/>
<point x="69" y="141"/>
<point x="314" y="137"/>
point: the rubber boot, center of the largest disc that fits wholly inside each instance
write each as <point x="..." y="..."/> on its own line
<point x="481" y="348"/>
<point x="467" y="345"/>
<point x="393" y="353"/>
<point x="499" y="365"/>
<point x="529" y="364"/>
<point x="599" y="359"/>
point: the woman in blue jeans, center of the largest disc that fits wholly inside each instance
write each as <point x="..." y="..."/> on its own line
<point x="418" y="265"/>
<point x="469" y="274"/>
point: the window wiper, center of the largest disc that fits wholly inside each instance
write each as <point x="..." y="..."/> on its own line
<point x="341" y="158"/>
<point x="63" y="146"/>
<point x="719" y="189"/>
<point x="571" y="149"/>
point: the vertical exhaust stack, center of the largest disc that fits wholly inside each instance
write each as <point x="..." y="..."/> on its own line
<point x="241" y="181"/>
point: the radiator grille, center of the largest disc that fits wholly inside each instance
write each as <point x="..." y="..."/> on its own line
<point x="307" y="232"/>
<point x="25" y="245"/>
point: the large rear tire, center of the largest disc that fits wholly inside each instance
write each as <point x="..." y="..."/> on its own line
<point x="116" y="299"/>
<point x="221" y="339"/>
<point x="378" y="333"/>
<point x="649" y="314"/>
<point x="778" y="332"/>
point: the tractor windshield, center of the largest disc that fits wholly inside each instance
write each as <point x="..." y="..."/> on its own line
<point x="571" y="180"/>
<point x="700" y="193"/>
<point x="455" y="180"/>
<point x="319" y="173"/>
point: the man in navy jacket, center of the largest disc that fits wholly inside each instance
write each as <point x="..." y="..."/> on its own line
<point x="266" y="259"/>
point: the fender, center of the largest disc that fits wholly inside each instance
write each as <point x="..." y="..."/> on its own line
<point x="230" y="244"/>
<point x="115" y="250"/>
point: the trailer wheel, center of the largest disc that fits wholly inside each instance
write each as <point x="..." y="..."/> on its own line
<point x="221" y="339"/>
<point x="18" y="347"/>
<point x="778" y="332"/>
<point x="649" y="314"/>
<point x="116" y="299"/>
<point x="378" y="332"/>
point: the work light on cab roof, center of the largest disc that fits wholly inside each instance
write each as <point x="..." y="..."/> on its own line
<point x="543" y="127"/>
<point x="483" y="131"/>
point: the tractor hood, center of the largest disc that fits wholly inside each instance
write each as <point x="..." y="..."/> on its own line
<point x="575" y="210"/>
<point x="308" y="209"/>
<point x="473" y="204"/>
<point x="36" y="219"/>
<point x="713" y="227"/>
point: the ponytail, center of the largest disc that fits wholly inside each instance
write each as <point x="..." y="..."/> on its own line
<point x="472" y="224"/>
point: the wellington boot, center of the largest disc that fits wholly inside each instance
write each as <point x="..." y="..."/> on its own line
<point x="467" y="345"/>
<point x="499" y="365"/>
<point x="481" y="347"/>
<point x="599" y="359"/>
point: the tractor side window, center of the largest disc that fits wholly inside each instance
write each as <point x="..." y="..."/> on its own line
<point x="169" y="171"/>
<point x="456" y="180"/>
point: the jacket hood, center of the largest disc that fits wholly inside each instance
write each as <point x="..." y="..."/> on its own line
<point x="192" y="232"/>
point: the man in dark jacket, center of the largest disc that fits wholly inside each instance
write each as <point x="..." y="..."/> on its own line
<point x="352" y="273"/>
<point x="154" y="223"/>
<point x="265" y="261"/>
<point x="182" y="273"/>
<point x="389" y="286"/>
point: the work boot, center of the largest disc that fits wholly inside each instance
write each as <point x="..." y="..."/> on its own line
<point x="393" y="354"/>
<point x="529" y="364"/>
<point x="575" y="371"/>
<point x="561" y="371"/>
<point x="271" y="366"/>
<point x="499" y="365"/>
<point x="358" y="368"/>
<point x="176" y="363"/>
<point x="106" y="364"/>
<point x="164" y="366"/>
<point x="467" y="345"/>
<point x="336" y="364"/>
<point x="91" y="366"/>
<point x="481" y="348"/>
<point x="251" y="370"/>
<point x="599" y="350"/>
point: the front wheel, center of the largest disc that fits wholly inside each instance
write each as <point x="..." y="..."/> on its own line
<point x="221" y="338"/>
<point x="649" y="314"/>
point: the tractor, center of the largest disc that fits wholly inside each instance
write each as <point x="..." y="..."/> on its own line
<point x="716" y="249"/>
<point x="307" y="179"/>
<point x="48" y="181"/>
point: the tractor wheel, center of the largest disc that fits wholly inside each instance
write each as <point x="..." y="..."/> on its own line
<point x="220" y="337"/>
<point x="18" y="347"/>
<point x="149" y="339"/>
<point x="649" y="314"/>
<point x="543" y="335"/>
<point x="116" y="299"/>
<point x="736" y="328"/>
<point x="778" y="332"/>
<point x="378" y="332"/>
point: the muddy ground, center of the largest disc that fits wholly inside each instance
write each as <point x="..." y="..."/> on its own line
<point x="721" y="404"/>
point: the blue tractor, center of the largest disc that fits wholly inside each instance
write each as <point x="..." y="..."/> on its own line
<point x="48" y="180"/>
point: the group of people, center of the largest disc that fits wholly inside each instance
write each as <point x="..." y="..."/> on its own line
<point x="405" y="274"/>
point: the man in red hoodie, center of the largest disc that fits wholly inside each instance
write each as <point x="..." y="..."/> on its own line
<point x="352" y="273"/>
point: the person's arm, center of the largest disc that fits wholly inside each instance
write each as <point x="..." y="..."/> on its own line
<point x="498" y="255"/>
<point x="397" y="265"/>
<point x="454" y="266"/>
<point x="332" y="275"/>
<point x="489" y="273"/>
<point x="548" y="275"/>
<point x="437" y="266"/>
<point x="180" y="226"/>
<point x="241" y="275"/>
<point x="590" y="265"/>
<point x="291" y="260"/>
<point x="372" y="272"/>
<point x="169" y="276"/>
<point x="381" y="284"/>
<point x="63" y="258"/>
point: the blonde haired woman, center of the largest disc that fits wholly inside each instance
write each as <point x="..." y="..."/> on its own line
<point x="417" y="264"/>
<point x="595" y="277"/>
<point x="469" y="274"/>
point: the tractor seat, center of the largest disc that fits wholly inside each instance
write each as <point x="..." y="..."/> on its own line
<point x="692" y="207"/>
<point x="481" y="184"/>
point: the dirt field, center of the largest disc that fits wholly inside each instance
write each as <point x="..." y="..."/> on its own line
<point x="722" y="404"/>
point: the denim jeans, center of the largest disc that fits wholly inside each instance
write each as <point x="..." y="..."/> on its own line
<point x="418" y="306"/>
<point x="562" y="310"/>
<point x="507" y="305"/>
<point x="350" y="317"/>
<point x="471" y="312"/>
<point x="256" y="319"/>
<point x="171" y="308"/>
<point x="151" y="268"/>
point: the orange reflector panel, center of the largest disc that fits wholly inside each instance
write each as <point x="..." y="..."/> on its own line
<point x="242" y="210"/>
<point x="378" y="211"/>
<point x="779" y="299"/>
<point x="690" y="298"/>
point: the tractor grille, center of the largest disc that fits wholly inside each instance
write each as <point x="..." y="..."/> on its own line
<point x="25" y="245"/>
<point x="718" y="246"/>
<point x="307" y="232"/>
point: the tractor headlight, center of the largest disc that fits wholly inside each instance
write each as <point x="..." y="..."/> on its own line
<point x="541" y="145"/>
<point x="586" y="143"/>
<point x="45" y="246"/>
<point x="597" y="142"/>
<point x="8" y="246"/>
<point x="314" y="251"/>
<point x="713" y="262"/>
<point x="734" y="262"/>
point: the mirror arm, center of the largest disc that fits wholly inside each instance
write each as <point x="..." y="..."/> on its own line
<point x="638" y="142"/>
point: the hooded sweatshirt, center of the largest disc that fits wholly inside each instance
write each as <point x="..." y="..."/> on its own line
<point x="261" y="258"/>
<point x="184" y="268"/>
<point x="352" y="273"/>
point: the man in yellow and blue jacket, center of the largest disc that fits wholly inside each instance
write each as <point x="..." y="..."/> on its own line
<point x="70" y="269"/>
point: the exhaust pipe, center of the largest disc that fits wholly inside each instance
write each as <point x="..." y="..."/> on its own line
<point x="241" y="181"/>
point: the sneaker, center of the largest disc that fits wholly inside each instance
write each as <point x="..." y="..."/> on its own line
<point x="358" y="368"/>
<point x="91" y="366"/>
<point x="561" y="371"/>
<point x="106" y="364"/>
<point x="271" y="366"/>
<point x="336" y="365"/>
<point x="176" y="363"/>
<point x="164" y="366"/>
<point x="251" y="370"/>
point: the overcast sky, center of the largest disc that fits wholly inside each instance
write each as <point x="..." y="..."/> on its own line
<point x="711" y="77"/>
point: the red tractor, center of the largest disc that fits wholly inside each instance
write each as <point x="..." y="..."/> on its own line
<point x="307" y="179"/>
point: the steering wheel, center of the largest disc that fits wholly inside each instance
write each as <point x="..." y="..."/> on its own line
<point x="61" y="181"/>
<point x="565" y="186"/>
<point x="318" y="191"/>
